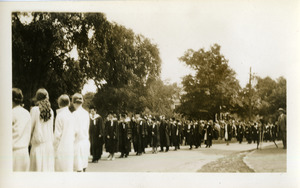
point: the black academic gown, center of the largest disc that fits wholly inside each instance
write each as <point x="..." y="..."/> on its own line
<point x="124" y="137"/>
<point x="111" y="132"/>
<point x="164" y="135"/>
<point x="96" y="132"/>
<point x="175" y="134"/>
<point x="154" y="135"/>
<point x="240" y="133"/>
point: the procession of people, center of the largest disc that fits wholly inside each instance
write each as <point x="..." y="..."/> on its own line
<point x="42" y="142"/>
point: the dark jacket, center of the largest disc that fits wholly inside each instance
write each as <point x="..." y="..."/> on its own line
<point x="164" y="134"/>
<point x="96" y="132"/>
<point x="112" y="136"/>
<point x="124" y="137"/>
<point x="282" y="123"/>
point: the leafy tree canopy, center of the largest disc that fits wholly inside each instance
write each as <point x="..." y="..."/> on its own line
<point x="120" y="62"/>
<point x="213" y="88"/>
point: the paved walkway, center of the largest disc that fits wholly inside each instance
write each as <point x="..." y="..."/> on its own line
<point x="185" y="160"/>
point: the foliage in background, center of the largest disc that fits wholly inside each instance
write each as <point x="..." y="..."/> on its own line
<point x="41" y="51"/>
<point x="212" y="89"/>
<point x="126" y="70"/>
<point x="121" y="63"/>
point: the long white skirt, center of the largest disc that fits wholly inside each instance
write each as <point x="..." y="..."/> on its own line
<point x="21" y="159"/>
<point x="81" y="154"/>
<point x="42" y="157"/>
<point x="64" y="160"/>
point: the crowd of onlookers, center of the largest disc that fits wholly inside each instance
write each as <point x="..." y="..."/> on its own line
<point x="65" y="142"/>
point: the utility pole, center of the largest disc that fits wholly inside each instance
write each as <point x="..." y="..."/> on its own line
<point x="250" y="105"/>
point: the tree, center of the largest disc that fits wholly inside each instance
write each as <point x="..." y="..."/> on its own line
<point x="267" y="96"/>
<point x="212" y="89"/>
<point x="160" y="98"/>
<point x="120" y="62"/>
<point x="271" y="96"/>
<point x="131" y="63"/>
<point x="40" y="54"/>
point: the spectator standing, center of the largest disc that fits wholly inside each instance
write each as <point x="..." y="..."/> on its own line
<point x="282" y="127"/>
<point x="42" y="116"/>
<point x="81" y="127"/>
<point x="64" y="136"/>
<point x="21" y="131"/>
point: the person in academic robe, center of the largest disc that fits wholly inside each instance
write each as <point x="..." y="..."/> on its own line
<point x="42" y="118"/>
<point x="149" y="125"/>
<point x="253" y="132"/>
<point x="64" y="136"/>
<point x="201" y="127"/>
<point x="282" y="126"/>
<point x="240" y="132"/>
<point x="111" y="132"/>
<point x="180" y="132"/>
<point x="140" y="134"/>
<point x="265" y="132"/>
<point x="270" y="132"/>
<point x="21" y="131"/>
<point x="209" y="134"/>
<point x="145" y="133"/>
<point x="257" y="130"/>
<point x="196" y="134"/>
<point x="125" y="136"/>
<point x="229" y="130"/>
<point x="81" y="126"/>
<point x="134" y="131"/>
<point x="234" y="132"/>
<point x="190" y="134"/>
<point x="169" y="123"/>
<point x="248" y="133"/>
<point x="164" y="135"/>
<point x="184" y="132"/>
<point x="175" y="133"/>
<point x="154" y="135"/>
<point x="96" y="134"/>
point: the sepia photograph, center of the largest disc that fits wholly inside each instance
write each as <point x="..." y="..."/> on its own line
<point x="165" y="90"/>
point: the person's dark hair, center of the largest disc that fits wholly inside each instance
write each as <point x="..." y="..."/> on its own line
<point x="17" y="96"/>
<point x="92" y="107"/>
<point x="42" y="100"/>
<point x="63" y="100"/>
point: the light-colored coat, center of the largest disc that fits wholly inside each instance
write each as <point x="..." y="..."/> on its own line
<point x="21" y="131"/>
<point x="64" y="137"/>
<point x="82" y="143"/>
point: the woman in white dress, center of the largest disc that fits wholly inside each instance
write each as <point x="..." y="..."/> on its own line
<point x="64" y="136"/>
<point x="42" y="152"/>
<point x="21" y="130"/>
<point x="81" y="126"/>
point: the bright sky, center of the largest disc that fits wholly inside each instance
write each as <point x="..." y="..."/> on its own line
<point x="260" y="34"/>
